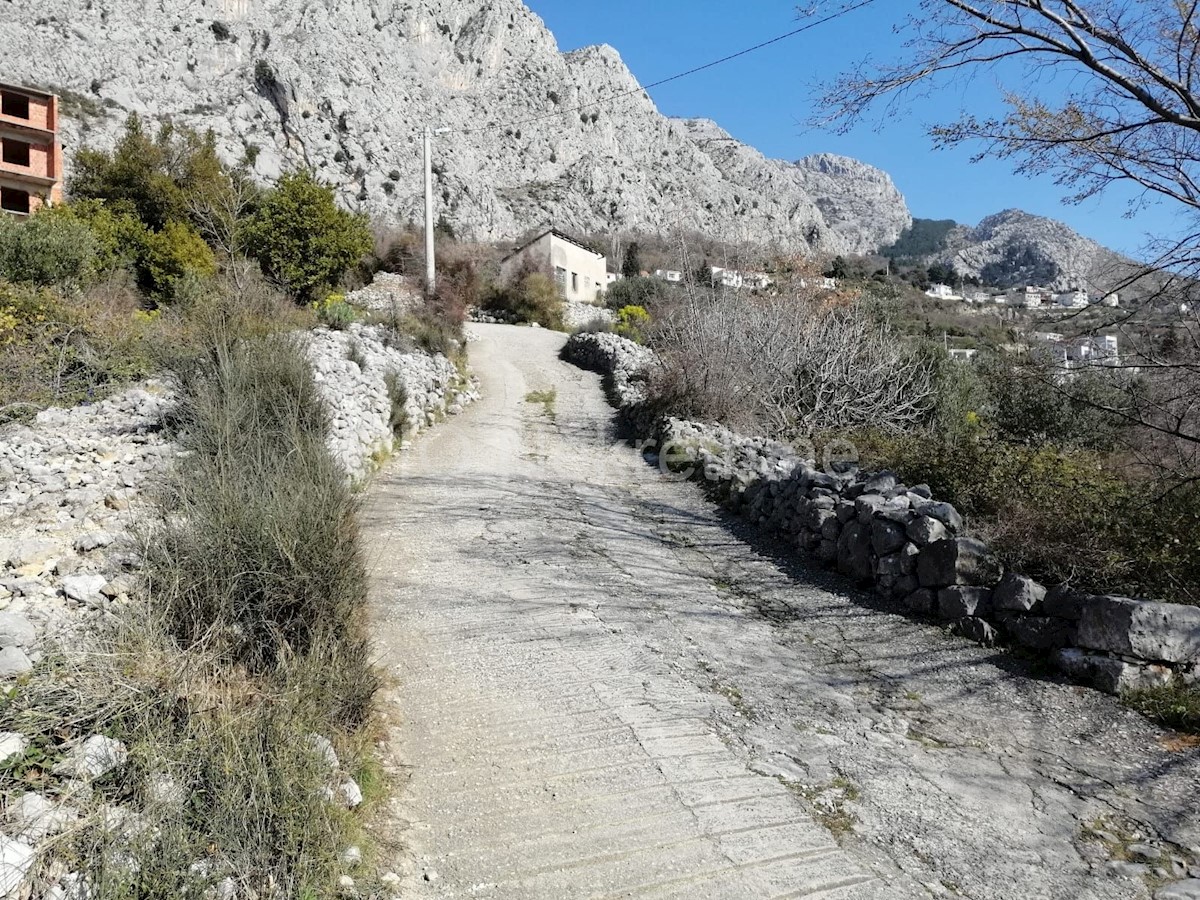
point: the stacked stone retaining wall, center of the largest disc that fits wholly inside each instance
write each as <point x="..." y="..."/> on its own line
<point x="362" y="373"/>
<point x="904" y="544"/>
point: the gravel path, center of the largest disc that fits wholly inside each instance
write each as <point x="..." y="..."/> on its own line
<point x="603" y="689"/>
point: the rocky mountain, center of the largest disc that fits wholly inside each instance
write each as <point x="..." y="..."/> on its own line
<point x="346" y="86"/>
<point x="1014" y="248"/>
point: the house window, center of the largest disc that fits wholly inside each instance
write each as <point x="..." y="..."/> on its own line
<point x="574" y="283"/>
<point x="560" y="276"/>
<point x="12" y="200"/>
<point x="15" y="105"/>
<point x="16" y="153"/>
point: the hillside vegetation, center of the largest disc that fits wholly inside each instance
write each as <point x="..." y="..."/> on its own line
<point x="1066" y="489"/>
<point x="238" y="683"/>
<point x="925" y="237"/>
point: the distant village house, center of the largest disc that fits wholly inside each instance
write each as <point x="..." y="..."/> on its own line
<point x="1028" y="297"/>
<point x="580" y="272"/>
<point x="30" y="153"/>
<point x="942" y="292"/>
<point x="1073" y="300"/>
<point x="732" y="278"/>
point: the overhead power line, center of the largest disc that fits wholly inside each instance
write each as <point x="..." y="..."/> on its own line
<point x="604" y="101"/>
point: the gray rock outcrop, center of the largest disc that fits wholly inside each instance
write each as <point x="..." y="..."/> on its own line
<point x="1014" y="248"/>
<point x="347" y="86"/>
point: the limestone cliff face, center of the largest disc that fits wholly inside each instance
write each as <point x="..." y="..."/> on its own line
<point x="860" y="203"/>
<point x="345" y="86"/>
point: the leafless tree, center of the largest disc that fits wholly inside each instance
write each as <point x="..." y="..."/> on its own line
<point x="1098" y="93"/>
<point x="791" y="365"/>
<point x="220" y="211"/>
<point x="1134" y="116"/>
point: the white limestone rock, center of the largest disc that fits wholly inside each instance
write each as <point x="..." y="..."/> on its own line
<point x="16" y="630"/>
<point x="15" y="859"/>
<point x="14" y="662"/>
<point x="346" y="88"/>
<point x="92" y="758"/>
<point x="12" y="744"/>
<point x="36" y="817"/>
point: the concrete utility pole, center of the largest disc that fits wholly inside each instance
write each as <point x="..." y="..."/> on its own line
<point x="430" y="262"/>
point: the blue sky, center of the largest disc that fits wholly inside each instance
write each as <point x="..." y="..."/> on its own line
<point x="766" y="100"/>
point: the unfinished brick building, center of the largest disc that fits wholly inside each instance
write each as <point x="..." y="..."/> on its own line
<point x="30" y="154"/>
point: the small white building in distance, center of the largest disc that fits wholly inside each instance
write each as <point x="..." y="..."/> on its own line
<point x="669" y="275"/>
<point x="581" y="273"/>
<point x="1029" y="297"/>
<point x="942" y="292"/>
<point x="1073" y="300"/>
<point x="1113" y="300"/>
<point x="732" y="278"/>
<point x="611" y="278"/>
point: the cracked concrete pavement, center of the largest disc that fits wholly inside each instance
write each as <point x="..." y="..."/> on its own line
<point x="603" y="688"/>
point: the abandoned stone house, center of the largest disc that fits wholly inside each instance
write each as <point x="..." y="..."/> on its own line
<point x="30" y="153"/>
<point x="581" y="273"/>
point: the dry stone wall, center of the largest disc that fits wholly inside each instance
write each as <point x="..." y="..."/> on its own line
<point x="375" y="387"/>
<point x="902" y="543"/>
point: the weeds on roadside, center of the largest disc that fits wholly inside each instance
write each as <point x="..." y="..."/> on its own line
<point x="398" y="400"/>
<point x="1174" y="705"/>
<point x="247" y="639"/>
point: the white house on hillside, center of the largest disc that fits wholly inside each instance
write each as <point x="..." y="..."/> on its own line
<point x="669" y="275"/>
<point x="1028" y="297"/>
<point x="581" y="273"/>
<point x="732" y="278"/>
<point x="942" y="292"/>
<point x="1073" y="300"/>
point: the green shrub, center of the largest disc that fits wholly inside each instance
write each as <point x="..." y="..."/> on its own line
<point x="334" y="312"/>
<point x="118" y="234"/>
<point x="637" y="291"/>
<point x="157" y="178"/>
<point x="1023" y="405"/>
<point x="55" y="352"/>
<point x="1058" y="515"/>
<point x="632" y="322"/>
<point x="47" y="249"/>
<point x="533" y="298"/>
<point x="303" y="240"/>
<point x="171" y="255"/>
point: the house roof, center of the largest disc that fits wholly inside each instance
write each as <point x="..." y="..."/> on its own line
<point x="27" y="91"/>
<point x="562" y="236"/>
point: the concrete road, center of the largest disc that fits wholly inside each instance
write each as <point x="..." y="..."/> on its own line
<point x="603" y="689"/>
